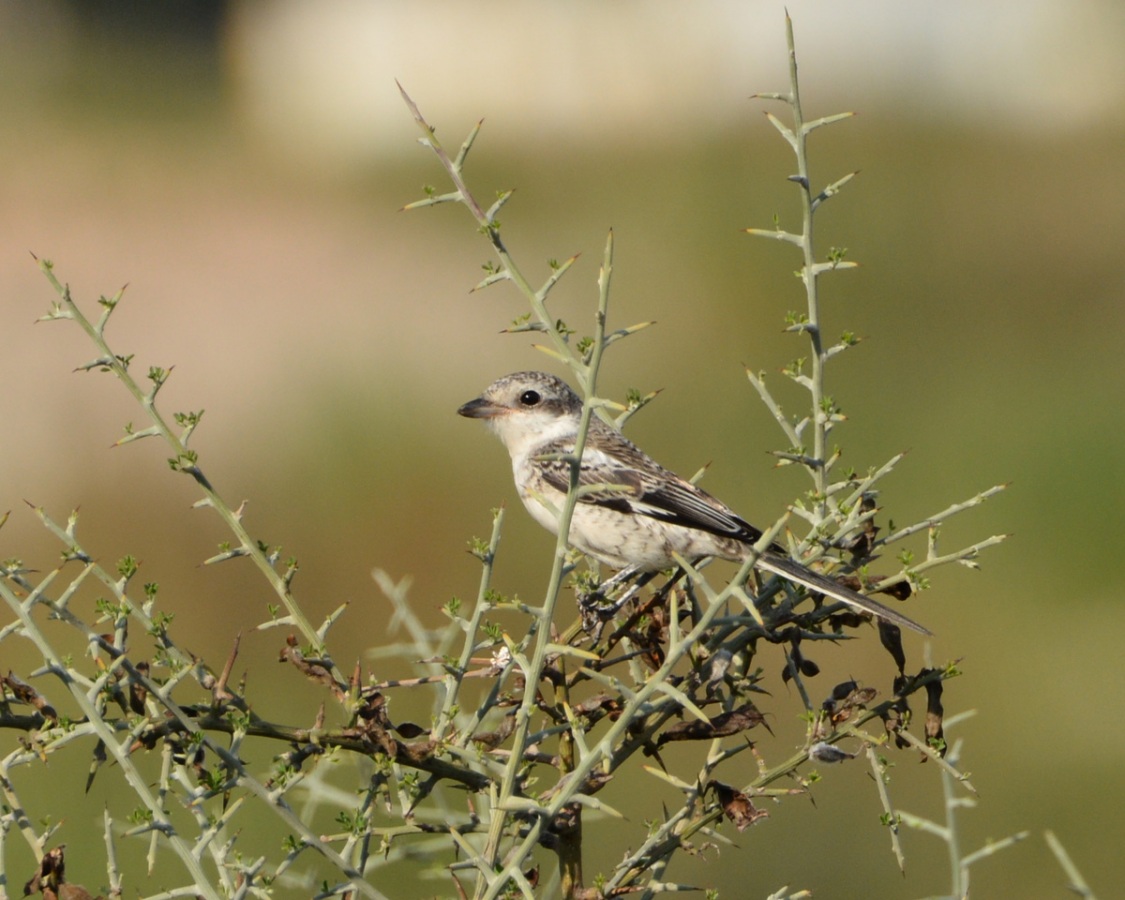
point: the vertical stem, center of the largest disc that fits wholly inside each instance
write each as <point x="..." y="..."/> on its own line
<point x="453" y="681"/>
<point x="490" y="228"/>
<point x="533" y="671"/>
<point x="949" y="794"/>
<point x="569" y="852"/>
<point x="808" y="275"/>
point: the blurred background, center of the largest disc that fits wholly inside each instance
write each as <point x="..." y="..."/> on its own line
<point x="240" y="165"/>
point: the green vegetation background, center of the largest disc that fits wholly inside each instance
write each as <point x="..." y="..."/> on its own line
<point x="330" y="339"/>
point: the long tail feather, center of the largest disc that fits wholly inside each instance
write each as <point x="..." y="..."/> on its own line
<point x="792" y="570"/>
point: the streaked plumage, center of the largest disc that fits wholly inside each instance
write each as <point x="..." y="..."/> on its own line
<point x="645" y="514"/>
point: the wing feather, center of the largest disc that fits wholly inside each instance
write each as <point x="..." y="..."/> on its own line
<point x="636" y="484"/>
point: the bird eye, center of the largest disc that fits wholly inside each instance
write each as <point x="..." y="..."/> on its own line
<point x="529" y="398"/>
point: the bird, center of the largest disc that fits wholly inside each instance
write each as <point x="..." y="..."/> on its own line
<point x="632" y="514"/>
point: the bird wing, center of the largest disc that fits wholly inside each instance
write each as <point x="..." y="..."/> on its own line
<point x="635" y="484"/>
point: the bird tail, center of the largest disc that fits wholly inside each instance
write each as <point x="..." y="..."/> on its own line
<point x="791" y="570"/>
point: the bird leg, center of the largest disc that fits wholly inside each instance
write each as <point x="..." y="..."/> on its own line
<point x="593" y="608"/>
<point x="602" y="591"/>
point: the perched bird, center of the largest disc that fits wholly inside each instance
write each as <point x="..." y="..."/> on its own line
<point x="637" y="514"/>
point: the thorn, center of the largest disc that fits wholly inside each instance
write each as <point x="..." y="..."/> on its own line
<point x="220" y="692"/>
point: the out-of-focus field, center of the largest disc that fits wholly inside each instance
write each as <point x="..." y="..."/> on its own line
<point x="330" y="338"/>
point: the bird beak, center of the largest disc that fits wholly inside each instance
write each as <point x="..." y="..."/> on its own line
<point x="480" y="409"/>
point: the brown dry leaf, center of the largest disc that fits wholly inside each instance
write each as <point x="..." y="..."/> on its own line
<point x="138" y="693"/>
<point x="493" y="739"/>
<point x="409" y="730"/>
<point x="900" y="590"/>
<point x="25" y="693"/>
<point x="50" y="879"/>
<point x="594" y="708"/>
<point x="737" y="806"/>
<point x="891" y="637"/>
<point x="723" y="725"/>
<point x="846" y="698"/>
<point x="313" y="669"/>
<point x="897" y="715"/>
<point x="935" y="736"/>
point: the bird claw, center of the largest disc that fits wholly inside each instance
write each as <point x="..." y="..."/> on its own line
<point x="593" y="605"/>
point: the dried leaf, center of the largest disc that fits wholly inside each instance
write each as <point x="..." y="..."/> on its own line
<point x="934" y="713"/>
<point x="493" y="739"/>
<point x="845" y="699"/>
<point x="313" y="669"/>
<point x="897" y="716"/>
<point x="891" y="637"/>
<point x="900" y="590"/>
<point x="25" y="693"/>
<point x="737" y="806"/>
<point x="138" y="693"/>
<point x="599" y="706"/>
<point x="723" y="725"/>
<point x="863" y="544"/>
<point x="50" y="879"/>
